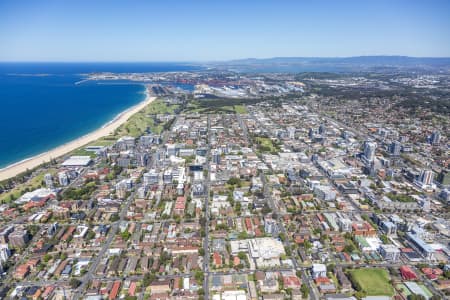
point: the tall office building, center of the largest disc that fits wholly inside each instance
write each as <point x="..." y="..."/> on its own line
<point x="270" y="226"/>
<point x="426" y="177"/>
<point x="5" y="253"/>
<point x="216" y="157"/>
<point x="142" y="159"/>
<point x="435" y="138"/>
<point x="322" y="129"/>
<point x="63" y="178"/>
<point x="4" y="233"/>
<point x="369" y="150"/>
<point x="151" y="177"/>
<point x="345" y="134"/>
<point x="394" y="148"/>
<point x="48" y="178"/>
<point x="291" y="132"/>
<point x="19" y="238"/>
<point x="311" y="133"/>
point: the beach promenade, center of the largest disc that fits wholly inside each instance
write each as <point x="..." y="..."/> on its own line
<point x="30" y="163"/>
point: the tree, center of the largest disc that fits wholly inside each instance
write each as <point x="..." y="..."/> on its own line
<point x="165" y="257"/>
<point x="330" y="267"/>
<point x="237" y="207"/>
<point x="33" y="229"/>
<point x="221" y="226"/>
<point x="148" y="279"/>
<point x="234" y="181"/>
<point x="46" y="258"/>
<point x="201" y="252"/>
<point x="384" y="239"/>
<point x="324" y="238"/>
<point x="199" y="276"/>
<point x="360" y="294"/>
<point x="114" y="217"/>
<point x="305" y="290"/>
<point x="74" y="283"/>
<point x="416" y="297"/>
<point x="242" y="235"/>
<point x="307" y="244"/>
<point x="125" y="235"/>
<point x="287" y="248"/>
<point x="349" y="248"/>
<point x="317" y="231"/>
<point x="90" y="235"/>
<point x="266" y="209"/>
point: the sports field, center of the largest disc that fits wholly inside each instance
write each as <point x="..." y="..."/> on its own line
<point x="373" y="281"/>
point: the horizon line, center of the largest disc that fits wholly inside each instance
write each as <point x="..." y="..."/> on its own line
<point x="212" y="61"/>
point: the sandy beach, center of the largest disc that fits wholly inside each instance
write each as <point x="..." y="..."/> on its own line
<point x="30" y="163"/>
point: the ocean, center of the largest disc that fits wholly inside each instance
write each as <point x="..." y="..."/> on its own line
<point x="42" y="107"/>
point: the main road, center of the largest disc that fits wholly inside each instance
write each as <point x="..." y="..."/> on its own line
<point x="206" y="240"/>
<point x="112" y="233"/>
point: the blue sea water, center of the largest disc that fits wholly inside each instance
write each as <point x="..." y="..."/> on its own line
<point x="41" y="107"/>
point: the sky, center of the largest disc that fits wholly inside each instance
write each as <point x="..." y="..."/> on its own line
<point x="113" y="30"/>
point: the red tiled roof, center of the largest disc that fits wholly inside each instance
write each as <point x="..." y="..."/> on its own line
<point x="114" y="290"/>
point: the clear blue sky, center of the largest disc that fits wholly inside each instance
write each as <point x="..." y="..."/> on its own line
<point x="96" y="30"/>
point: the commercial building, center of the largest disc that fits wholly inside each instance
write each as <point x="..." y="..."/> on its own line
<point x="266" y="251"/>
<point x="369" y="151"/>
<point x="19" y="238"/>
<point x="426" y="250"/>
<point x="77" y="161"/>
<point x="5" y="253"/>
<point x="394" y="148"/>
<point x="151" y="177"/>
<point x="389" y="252"/>
<point x="324" y="192"/>
<point x="63" y="178"/>
<point x="319" y="270"/>
<point x="270" y="226"/>
<point x="435" y="138"/>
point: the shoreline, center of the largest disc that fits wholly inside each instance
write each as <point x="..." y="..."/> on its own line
<point x="34" y="161"/>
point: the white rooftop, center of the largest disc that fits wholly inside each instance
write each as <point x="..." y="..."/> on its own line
<point x="317" y="268"/>
<point x="36" y="194"/>
<point x="77" y="161"/>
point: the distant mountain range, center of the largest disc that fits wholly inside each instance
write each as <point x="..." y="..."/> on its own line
<point x="338" y="64"/>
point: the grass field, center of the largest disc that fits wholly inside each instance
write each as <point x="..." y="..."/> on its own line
<point x="104" y="141"/>
<point x="215" y="106"/>
<point x="83" y="152"/>
<point x="21" y="189"/>
<point x="374" y="281"/>
<point x="142" y="120"/>
<point x="240" y="109"/>
<point x="266" y="144"/>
